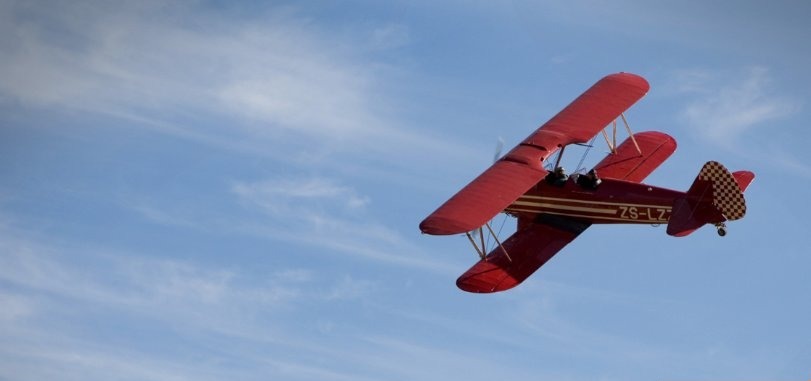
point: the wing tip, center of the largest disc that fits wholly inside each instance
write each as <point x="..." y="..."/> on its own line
<point x="479" y="283"/>
<point x="434" y="225"/>
<point x="630" y="79"/>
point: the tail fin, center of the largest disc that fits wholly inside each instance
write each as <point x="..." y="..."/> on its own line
<point x="715" y="196"/>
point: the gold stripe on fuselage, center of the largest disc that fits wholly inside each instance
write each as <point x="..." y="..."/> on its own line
<point x="632" y="213"/>
<point x="592" y="217"/>
<point x="591" y="202"/>
<point x="565" y="207"/>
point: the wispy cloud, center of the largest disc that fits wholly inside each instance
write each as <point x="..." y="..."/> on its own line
<point x="550" y="313"/>
<point x="788" y="162"/>
<point x="270" y="76"/>
<point x="316" y="213"/>
<point x="15" y="307"/>
<point x="321" y="212"/>
<point x="151" y="286"/>
<point x="725" y="112"/>
<point x="276" y="197"/>
<point x="47" y="287"/>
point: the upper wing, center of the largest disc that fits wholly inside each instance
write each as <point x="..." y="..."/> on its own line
<point x="590" y="112"/>
<point x="528" y="250"/>
<point x="521" y="168"/>
<point x="627" y="164"/>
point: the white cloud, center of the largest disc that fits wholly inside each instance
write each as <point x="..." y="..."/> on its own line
<point x="241" y="324"/>
<point x="788" y="162"/>
<point x="725" y="113"/>
<point x="321" y="212"/>
<point x="147" y="285"/>
<point x="690" y="81"/>
<point x="294" y="276"/>
<point x="270" y="74"/>
<point x="391" y="36"/>
<point x="277" y="196"/>
<point x="271" y="83"/>
<point x="47" y="286"/>
<point x="15" y="307"/>
<point x="350" y="288"/>
<point x="310" y="212"/>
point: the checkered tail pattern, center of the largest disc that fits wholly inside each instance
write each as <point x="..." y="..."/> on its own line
<point x="727" y="196"/>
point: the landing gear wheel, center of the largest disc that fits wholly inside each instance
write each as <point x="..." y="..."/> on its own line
<point x="722" y="231"/>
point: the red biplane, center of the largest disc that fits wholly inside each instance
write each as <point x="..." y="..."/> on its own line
<point x="553" y="209"/>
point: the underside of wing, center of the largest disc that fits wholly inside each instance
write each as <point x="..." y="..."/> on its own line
<point x="626" y="163"/>
<point x="521" y="255"/>
<point x="522" y="167"/>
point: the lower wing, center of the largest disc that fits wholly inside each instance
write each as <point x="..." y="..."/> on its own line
<point x="520" y="255"/>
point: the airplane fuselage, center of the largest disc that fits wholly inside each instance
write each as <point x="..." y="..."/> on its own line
<point x="611" y="202"/>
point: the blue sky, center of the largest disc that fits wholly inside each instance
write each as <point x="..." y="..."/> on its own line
<point x="216" y="190"/>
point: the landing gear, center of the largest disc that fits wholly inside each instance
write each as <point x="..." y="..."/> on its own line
<point x="722" y="229"/>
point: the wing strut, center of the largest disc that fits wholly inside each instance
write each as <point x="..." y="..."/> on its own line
<point x="612" y="145"/>
<point x="481" y="251"/>
<point x="560" y="156"/>
<point x="475" y="246"/>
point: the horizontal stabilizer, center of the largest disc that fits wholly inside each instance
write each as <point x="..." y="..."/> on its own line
<point x="744" y="178"/>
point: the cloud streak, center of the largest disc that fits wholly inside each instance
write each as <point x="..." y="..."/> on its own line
<point x="320" y="212"/>
<point x="273" y="76"/>
<point x="50" y="292"/>
<point x="728" y="112"/>
<point x="276" y="197"/>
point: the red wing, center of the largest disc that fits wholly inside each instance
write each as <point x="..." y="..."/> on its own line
<point x="590" y="112"/>
<point x="627" y="164"/>
<point x="521" y="168"/>
<point x="598" y="106"/>
<point x="482" y="199"/>
<point x="529" y="249"/>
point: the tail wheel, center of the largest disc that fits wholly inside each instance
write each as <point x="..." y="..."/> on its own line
<point x="722" y="229"/>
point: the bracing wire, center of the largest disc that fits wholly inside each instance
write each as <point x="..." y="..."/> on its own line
<point x="503" y="222"/>
<point x="549" y="163"/>
<point x="500" y="228"/>
<point x="498" y="233"/>
<point x="585" y="153"/>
